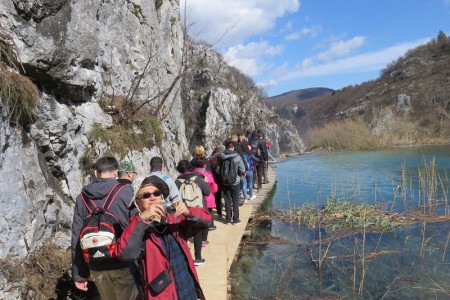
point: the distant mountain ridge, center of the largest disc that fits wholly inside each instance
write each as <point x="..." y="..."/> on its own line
<point x="411" y="98"/>
<point x="295" y="96"/>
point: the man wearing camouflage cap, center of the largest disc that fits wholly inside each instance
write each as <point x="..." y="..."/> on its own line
<point x="127" y="172"/>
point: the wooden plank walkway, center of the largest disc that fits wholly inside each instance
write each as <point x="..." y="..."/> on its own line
<point x="224" y="244"/>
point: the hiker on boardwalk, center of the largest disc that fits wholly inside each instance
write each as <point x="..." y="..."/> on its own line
<point x="111" y="276"/>
<point x="187" y="173"/>
<point x="199" y="164"/>
<point x="199" y="151"/>
<point x="231" y="188"/>
<point x="265" y="154"/>
<point x="250" y="160"/>
<point x="127" y="172"/>
<point x="156" y="168"/>
<point x="158" y="240"/>
<point x="214" y="162"/>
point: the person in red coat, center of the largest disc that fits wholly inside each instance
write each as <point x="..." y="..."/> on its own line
<point x="157" y="239"/>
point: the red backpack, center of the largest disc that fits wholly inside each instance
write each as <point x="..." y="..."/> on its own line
<point x="100" y="228"/>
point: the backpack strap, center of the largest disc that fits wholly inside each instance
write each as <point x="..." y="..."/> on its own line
<point x="115" y="190"/>
<point x="113" y="194"/>
<point x="86" y="203"/>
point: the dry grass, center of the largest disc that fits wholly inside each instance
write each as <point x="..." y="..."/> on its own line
<point x="347" y="134"/>
<point x="18" y="93"/>
<point x="357" y="134"/>
<point x="43" y="275"/>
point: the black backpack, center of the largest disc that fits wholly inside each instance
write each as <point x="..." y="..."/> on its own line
<point x="228" y="171"/>
<point x="100" y="228"/>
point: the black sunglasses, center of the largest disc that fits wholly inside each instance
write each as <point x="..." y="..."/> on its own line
<point x="147" y="195"/>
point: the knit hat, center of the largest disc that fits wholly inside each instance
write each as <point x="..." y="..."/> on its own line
<point x="157" y="182"/>
<point x="126" y="167"/>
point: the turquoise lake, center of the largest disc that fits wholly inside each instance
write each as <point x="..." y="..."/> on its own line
<point x="409" y="262"/>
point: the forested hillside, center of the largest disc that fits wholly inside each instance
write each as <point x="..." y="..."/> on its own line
<point x="408" y="104"/>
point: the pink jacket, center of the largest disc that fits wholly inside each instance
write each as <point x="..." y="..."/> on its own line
<point x="210" y="199"/>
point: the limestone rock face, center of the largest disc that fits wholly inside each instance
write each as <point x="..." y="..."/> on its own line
<point x="223" y="101"/>
<point x="81" y="52"/>
<point x="78" y="52"/>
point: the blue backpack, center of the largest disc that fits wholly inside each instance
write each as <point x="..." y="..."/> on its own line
<point x="248" y="162"/>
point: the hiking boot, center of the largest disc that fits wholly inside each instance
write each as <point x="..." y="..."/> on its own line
<point x="237" y="222"/>
<point x="199" y="262"/>
<point x="213" y="227"/>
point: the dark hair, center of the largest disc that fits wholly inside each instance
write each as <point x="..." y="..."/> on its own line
<point x="106" y="163"/>
<point x="184" y="166"/>
<point x="198" y="161"/>
<point x="156" y="163"/>
<point x="230" y="144"/>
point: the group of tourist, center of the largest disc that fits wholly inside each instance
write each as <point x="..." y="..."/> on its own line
<point x="150" y="257"/>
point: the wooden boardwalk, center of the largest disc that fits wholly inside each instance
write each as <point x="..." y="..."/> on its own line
<point x="224" y="244"/>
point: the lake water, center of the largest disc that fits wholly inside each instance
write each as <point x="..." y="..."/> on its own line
<point x="410" y="262"/>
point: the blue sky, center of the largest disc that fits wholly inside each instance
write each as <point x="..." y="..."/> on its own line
<point x="286" y="45"/>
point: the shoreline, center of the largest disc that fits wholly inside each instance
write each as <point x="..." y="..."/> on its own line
<point x="224" y="245"/>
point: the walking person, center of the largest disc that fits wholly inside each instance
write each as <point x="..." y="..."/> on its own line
<point x="126" y="172"/>
<point x="265" y="154"/>
<point x="231" y="189"/>
<point x="186" y="171"/>
<point x="157" y="239"/>
<point x="156" y="168"/>
<point x="199" y="164"/>
<point x="215" y="168"/>
<point x="111" y="276"/>
<point x="247" y="180"/>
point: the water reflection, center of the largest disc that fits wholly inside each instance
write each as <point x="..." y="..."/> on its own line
<point x="284" y="260"/>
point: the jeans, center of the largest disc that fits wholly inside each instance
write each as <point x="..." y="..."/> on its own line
<point x="247" y="183"/>
<point x="231" y="202"/>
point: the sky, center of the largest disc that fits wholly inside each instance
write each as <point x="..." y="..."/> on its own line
<point x="286" y="45"/>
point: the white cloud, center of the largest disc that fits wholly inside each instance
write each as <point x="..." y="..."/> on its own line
<point x="341" y="48"/>
<point x="209" y="20"/>
<point x="360" y="63"/>
<point x="248" y="58"/>
<point x="312" y="31"/>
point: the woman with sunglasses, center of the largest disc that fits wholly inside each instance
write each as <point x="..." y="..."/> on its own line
<point x="157" y="239"/>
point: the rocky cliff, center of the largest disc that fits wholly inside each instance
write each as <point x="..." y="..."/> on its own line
<point x="80" y="55"/>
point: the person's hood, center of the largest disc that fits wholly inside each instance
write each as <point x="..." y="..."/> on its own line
<point x="228" y="153"/>
<point x="99" y="188"/>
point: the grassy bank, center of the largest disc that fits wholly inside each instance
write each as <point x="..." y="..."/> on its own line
<point x="359" y="135"/>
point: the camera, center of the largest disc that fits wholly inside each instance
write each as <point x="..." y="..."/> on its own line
<point x="169" y="207"/>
